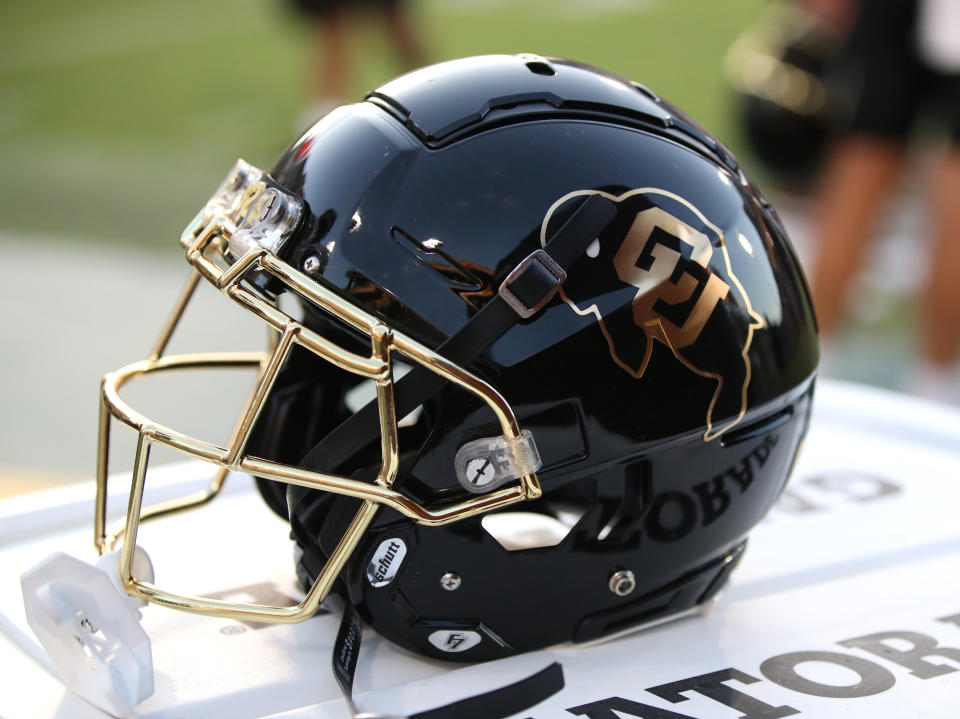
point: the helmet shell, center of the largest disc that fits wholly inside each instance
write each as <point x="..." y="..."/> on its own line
<point x="667" y="384"/>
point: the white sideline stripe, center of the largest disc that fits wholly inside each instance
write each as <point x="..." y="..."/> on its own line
<point x="556" y="9"/>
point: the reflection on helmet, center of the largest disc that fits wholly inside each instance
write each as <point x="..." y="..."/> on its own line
<point x="592" y="365"/>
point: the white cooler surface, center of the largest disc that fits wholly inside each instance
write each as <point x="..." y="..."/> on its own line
<point x="846" y="604"/>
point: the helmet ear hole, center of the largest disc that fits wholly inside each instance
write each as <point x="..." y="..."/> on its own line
<point x="516" y="531"/>
<point x="524" y="530"/>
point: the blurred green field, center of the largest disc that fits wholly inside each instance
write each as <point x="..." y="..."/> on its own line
<point x="117" y="117"/>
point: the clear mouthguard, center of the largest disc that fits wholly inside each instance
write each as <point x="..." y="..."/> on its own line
<point x="91" y="629"/>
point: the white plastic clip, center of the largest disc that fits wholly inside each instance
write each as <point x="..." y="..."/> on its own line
<point x="91" y="629"/>
<point x="488" y="462"/>
<point x="271" y="219"/>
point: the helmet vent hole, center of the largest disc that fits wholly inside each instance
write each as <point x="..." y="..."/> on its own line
<point x="528" y="530"/>
<point x="540" y="68"/>
<point x="759" y="428"/>
<point x="430" y="251"/>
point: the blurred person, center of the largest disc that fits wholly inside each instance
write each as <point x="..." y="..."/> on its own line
<point x="330" y="62"/>
<point x="900" y="57"/>
<point x="777" y="68"/>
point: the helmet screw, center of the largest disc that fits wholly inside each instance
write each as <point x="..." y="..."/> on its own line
<point x="270" y="207"/>
<point x="311" y="264"/>
<point x="622" y="582"/>
<point x="450" y="581"/>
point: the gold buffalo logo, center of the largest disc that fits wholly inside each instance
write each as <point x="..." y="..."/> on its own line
<point x="678" y="283"/>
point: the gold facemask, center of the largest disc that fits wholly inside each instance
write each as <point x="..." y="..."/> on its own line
<point x="231" y="242"/>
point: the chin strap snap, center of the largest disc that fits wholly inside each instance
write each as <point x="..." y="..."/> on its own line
<point x="91" y="629"/>
<point x="495" y="704"/>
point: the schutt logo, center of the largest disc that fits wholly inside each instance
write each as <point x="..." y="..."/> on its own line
<point x="386" y="561"/>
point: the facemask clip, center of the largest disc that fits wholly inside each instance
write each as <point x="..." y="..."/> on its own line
<point x="488" y="462"/>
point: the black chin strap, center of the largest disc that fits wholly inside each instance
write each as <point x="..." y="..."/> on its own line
<point x="495" y="704"/>
<point x="528" y="286"/>
<point x="525" y="291"/>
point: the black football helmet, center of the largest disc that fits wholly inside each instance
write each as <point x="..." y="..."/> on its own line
<point x="542" y="357"/>
<point x="786" y="103"/>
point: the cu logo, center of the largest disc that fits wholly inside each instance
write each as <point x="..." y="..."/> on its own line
<point x="685" y="295"/>
<point x="669" y="264"/>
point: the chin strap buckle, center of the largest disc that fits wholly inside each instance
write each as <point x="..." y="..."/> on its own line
<point x="532" y="283"/>
<point x="91" y="629"/>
